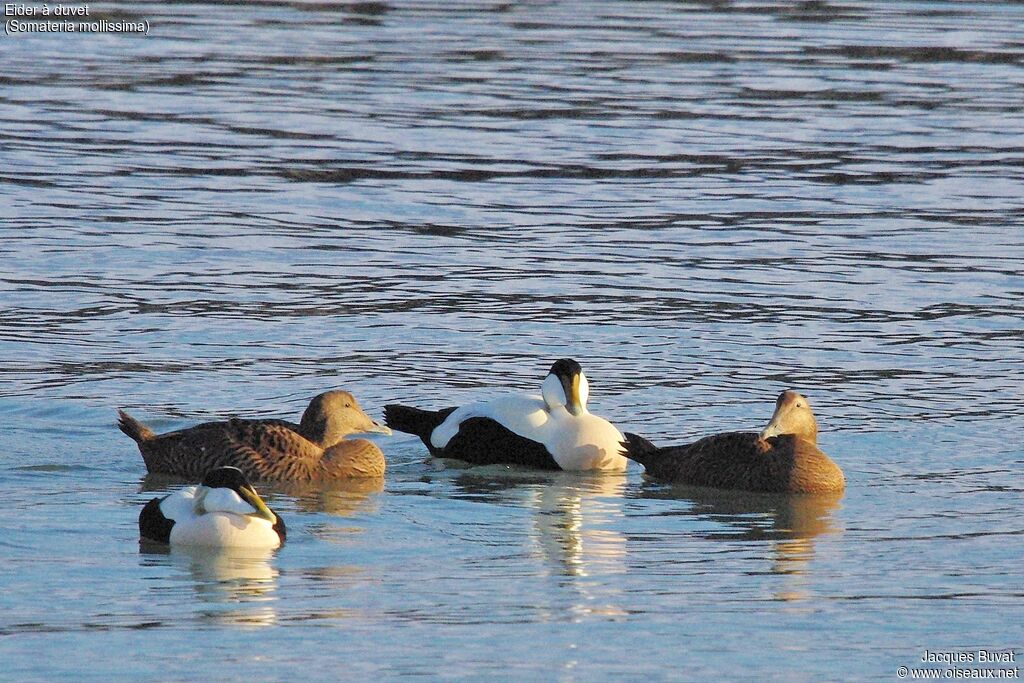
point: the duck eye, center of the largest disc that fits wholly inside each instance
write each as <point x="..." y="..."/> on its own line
<point x="348" y="405"/>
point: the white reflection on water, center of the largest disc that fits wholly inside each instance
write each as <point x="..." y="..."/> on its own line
<point x="573" y="533"/>
<point x="231" y="586"/>
<point x="570" y="525"/>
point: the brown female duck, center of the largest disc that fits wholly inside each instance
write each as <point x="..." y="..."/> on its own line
<point x="269" y="450"/>
<point x="783" y="458"/>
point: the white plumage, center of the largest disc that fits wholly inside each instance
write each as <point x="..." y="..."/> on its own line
<point x="222" y="520"/>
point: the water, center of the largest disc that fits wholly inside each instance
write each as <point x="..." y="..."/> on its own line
<point x="703" y="203"/>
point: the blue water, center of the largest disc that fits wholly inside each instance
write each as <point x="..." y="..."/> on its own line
<point x="703" y="203"/>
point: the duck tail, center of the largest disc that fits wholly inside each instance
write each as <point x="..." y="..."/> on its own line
<point x="133" y="428"/>
<point x="639" y="449"/>
<point x="413" y="420"/>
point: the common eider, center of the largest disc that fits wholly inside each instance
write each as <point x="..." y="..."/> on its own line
<point x="269" y="450"/>
<point x="783" y="458"/>
<point x="551" y="431"/>
<point x="223" y="512"/>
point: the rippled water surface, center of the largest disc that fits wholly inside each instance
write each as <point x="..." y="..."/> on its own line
<point x="704" y="203"/>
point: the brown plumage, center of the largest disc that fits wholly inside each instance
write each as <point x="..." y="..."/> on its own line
<point x="269" y="450"/>
<point x="783" y="458"/>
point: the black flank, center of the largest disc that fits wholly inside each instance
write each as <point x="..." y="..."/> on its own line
<point x="153" y="525"/>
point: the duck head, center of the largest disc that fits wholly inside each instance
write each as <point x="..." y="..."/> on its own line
<point x="792" y="416"/>
<point x="226" y="489"/>
<point x="333" y="415"/>
<point x="567" y="386"/>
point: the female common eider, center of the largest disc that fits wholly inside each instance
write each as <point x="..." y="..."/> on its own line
<point x="551" y="431"/>
<point x="783" y="458"/>
<point x="223" y="512"/>
<point x="269" y="450"/>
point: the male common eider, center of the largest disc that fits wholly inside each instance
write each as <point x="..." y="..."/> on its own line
<point x="223" y="512"/>
<point x="269" y="450"/>
<point x="783" y="458"/>
<point x="551" y="431"/>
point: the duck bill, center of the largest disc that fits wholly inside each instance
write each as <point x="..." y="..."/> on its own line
<point x="572" y="397"/>
<point x="374" y="427"/>
<point x="774" y="427"/>
<point x="250" y="496"/>
<point x="771" y="430"/>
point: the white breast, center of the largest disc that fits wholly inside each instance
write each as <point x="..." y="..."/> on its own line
<point x="576" y="442"/>
<point x="225" y="530"/>
<point x="585" y="442"/>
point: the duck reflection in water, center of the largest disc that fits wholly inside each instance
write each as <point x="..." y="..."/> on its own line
<point x="230" y="586"/>
<point x="573" y="529"/>
<point x="571" y="525"/>
<point x="345" y="498"/>
<point x="789" y="523"/>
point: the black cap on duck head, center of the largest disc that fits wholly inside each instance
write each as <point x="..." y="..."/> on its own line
<point x="566" y="385"/>
<point x="226" y="478"/>
<point x="565" y="367"/>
